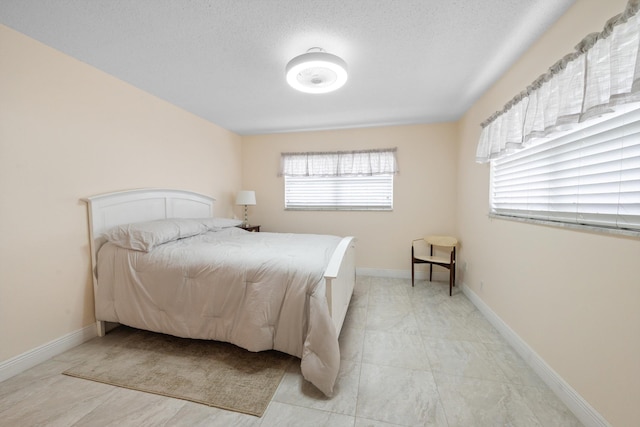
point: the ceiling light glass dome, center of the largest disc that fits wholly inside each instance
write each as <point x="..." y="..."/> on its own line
<point x="316" y="72"/>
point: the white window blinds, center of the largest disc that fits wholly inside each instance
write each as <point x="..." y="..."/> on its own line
<point x="343" y="180"/>
<point x="339" y="193"/>
<point x="590" y="177"/>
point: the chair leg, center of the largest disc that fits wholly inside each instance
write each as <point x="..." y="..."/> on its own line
<point x="412" y="273"/>
<point x="412" y="269"/>
<point x="453" y="271"/>
<point x="412" y="265"/>
<point x="450" y="282"/>
<point x="430" y="272"/>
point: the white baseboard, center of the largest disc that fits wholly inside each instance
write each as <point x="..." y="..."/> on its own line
<point x="40" y="354"/>
<point x="438" y="276"/>
<point x="378" y="272"/>
<point x="576" y="403"/>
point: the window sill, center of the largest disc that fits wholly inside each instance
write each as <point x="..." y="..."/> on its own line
<point x="567" y="225"/>
<point x="340" y="209"/>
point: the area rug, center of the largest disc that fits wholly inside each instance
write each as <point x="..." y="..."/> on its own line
<point x="208" y="372"/>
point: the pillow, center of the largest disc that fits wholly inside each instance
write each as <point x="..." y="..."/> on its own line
<point x="214" y="224"/>
<point x="144" y="236"/>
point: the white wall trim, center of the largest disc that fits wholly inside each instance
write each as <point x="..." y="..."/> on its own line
<point x="576" y="403"/>
<point x="438" y="276"/>
<point x="378" y="272"/>
<point x="31" y="358"/>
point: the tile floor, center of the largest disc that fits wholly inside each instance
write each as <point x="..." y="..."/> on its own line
<point x="410" y="357"/>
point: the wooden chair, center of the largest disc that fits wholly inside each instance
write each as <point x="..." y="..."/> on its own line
<point x="447" y="243"/>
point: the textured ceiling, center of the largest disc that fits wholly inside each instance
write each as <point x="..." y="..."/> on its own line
<point x="410" y="61"/>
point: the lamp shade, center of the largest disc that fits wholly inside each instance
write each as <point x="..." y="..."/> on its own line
<point x="246" y="197"/>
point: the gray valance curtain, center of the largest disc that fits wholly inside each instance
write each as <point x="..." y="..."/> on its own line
<point x="339" y="163"/>
<point x="599" y="77"/>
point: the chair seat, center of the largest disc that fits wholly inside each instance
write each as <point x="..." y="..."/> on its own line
<point x="433" y="259"/>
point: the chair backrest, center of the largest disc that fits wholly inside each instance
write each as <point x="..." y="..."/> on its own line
<point x="444" y="241"/>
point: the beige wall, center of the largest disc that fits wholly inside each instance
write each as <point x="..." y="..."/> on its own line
<point x="68" y="131"/>
<point x="572" y="296"/>
<point x="424" y="190"/>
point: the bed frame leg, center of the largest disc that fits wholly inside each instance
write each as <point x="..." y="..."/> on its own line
<point x="100" y="325"/>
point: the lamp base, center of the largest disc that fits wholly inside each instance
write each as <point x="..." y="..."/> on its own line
<point x="245" y="223"/>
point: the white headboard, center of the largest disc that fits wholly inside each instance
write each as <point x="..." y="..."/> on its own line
<point x="146" y="204"/>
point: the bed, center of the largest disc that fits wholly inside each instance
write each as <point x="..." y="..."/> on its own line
<point x="162" y="261"/>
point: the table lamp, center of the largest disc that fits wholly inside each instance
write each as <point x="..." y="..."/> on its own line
<point x="246" y="198"/>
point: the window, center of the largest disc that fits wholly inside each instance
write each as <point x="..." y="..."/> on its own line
<point x="341" y="192"/>
<point x="567" y="149"/>
<point x="589" y="176"/>
<point x="344" y="180"/>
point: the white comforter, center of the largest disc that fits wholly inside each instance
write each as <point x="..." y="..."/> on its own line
<point x="259" y="291"/>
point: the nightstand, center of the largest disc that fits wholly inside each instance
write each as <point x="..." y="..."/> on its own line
<point x="252" y="228"/>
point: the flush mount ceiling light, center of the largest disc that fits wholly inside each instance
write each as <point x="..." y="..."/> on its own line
<point x="316" y="72"/>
